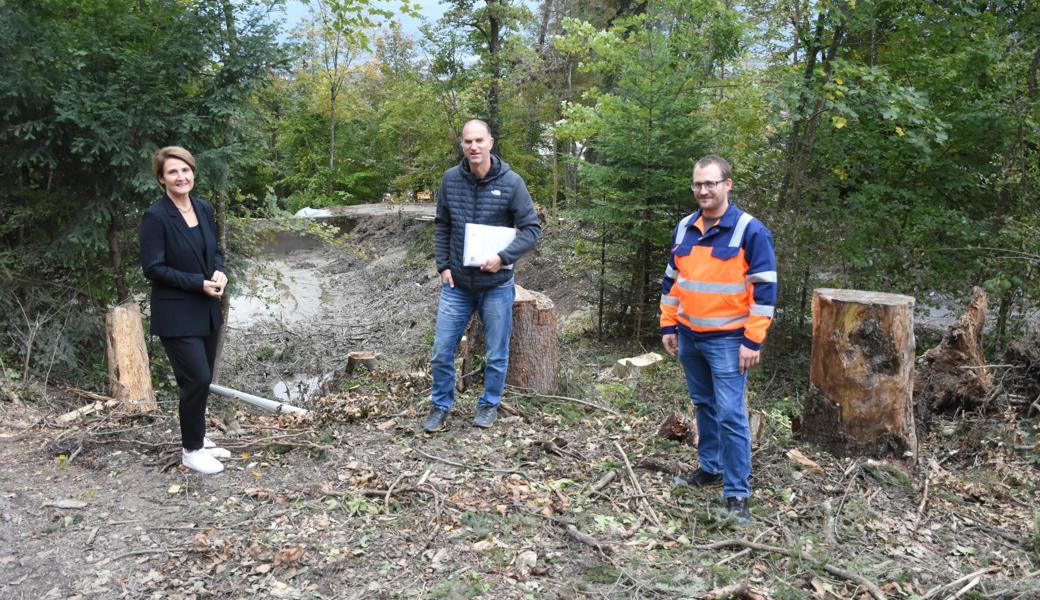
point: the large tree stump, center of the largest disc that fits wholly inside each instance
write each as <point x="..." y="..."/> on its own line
<point x="533" y="357"/>
<point x="129" y="378"/>
<point x="953" y="375"/>
<point x="860" y="399"/>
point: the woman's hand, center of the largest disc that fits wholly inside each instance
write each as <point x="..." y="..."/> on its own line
<point x="219" y="279"/>
<point x="212" y="289"/>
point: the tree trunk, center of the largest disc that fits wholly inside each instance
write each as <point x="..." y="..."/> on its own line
<point x="495" y="8"/>
<point x="533" y="359"/>
<point x="129" y="379"/>
<point x="860" y="399"/>
<point x="115" y="257"/>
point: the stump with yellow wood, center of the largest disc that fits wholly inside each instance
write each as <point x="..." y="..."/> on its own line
<point x="860" y="399"/>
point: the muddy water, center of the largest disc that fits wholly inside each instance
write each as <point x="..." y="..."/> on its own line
<point x="284" y="292"/>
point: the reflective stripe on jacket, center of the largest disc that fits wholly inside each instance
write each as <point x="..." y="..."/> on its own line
<point x="722" y="282"/>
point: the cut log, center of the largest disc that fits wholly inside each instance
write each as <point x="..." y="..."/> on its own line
<point x="366" y="359"/>
<point x="860" y="399"/>
<point x="533" y="357"/>
<point x="94" y="407"/>
<point x="953" y="375"/>
<point x="129" y="379"/>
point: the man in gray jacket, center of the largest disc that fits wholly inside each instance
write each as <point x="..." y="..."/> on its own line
<point x="481" y="189"/>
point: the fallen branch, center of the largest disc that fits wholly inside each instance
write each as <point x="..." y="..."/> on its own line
<point x="874" y="590"/>
<point x="139" y="553"/>
<point x="84" y="411"/>
<point x="735" y="591"/>
<point x="604" y="481"/>
<point x="580" y="536"/>
<point x="588" y="540"/>
<point x="389" y="491"/>
<point x="639" y="488"/>
<point x="89" y="395"/>
<point x="939" y="589"/>
<point x="528" y="392"/>
<point x="920" y="508"/>
<point x="964" y="590"/>
<point x="470" y="467"/>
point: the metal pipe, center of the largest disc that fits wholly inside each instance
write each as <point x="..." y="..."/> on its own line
<point x="257" y="401"/>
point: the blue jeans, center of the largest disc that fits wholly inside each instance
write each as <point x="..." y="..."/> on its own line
<point x="717" y="389"/>
<point x="495" y="307"/>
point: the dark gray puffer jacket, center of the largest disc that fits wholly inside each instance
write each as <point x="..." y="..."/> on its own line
<point x="500" y="198"/>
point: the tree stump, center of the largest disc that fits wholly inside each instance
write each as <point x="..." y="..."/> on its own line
<point x="129" y="378"/>
<point x="533" y="360"/>
<point x="860" y="399"/>
<point x="533" y="357"/>
<point x="953" y="374"/>
<point x="365" y="358"/>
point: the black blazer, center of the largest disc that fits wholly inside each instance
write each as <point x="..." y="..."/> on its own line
<point x="172" y="262"/>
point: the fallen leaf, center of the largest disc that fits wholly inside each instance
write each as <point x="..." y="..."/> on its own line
<point x="258" y="492"/>
<point x="174" y="489"/>
<point x="387" y="425"/>
<point x="289" y="557"/>
<point x="261" y="569"/>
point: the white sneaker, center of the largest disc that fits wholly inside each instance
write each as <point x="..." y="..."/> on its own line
<point x="214" y="450"/>
<point x="201" y="461"/>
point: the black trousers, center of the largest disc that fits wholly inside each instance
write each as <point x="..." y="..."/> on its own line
<point x="192" y="360"/>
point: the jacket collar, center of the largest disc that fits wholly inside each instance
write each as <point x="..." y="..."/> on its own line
<point x="495" y="170"/>
<point x="728" y="221"/>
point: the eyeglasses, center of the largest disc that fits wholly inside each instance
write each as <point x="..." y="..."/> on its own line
<point x="708" y="185"/>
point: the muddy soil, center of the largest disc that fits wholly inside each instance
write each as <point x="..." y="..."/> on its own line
<point x="561" y="499"/>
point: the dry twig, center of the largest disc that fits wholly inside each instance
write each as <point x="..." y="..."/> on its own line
<point x="528" y="392"/>
<point x="874" y="590"/>
<point x="470" y="467"/>
<point x="639" y="488"/>
<point x="938" y="590"/>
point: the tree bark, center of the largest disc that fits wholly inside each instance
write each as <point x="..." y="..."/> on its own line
<point x="860" y="399"/>
<point x="129" y="378"/>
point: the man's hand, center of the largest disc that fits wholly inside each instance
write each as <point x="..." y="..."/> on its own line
<point x="671" y="343"/>
<point x="748" y="358"/>
<point x="492" y="264"/>
<point x="446" y="278"/>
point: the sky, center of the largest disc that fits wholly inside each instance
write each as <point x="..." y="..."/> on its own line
<point x="431" y="10"/>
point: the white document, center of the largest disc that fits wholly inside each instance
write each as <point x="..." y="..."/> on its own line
<point x="484" y="240"/>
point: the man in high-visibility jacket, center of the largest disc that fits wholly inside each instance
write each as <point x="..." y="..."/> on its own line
<point x="717" y="301"/>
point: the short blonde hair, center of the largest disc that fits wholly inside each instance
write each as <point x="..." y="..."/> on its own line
<point x="163" y="154"/>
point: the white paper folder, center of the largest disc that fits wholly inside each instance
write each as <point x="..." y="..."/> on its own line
<point x="484" y="240"/>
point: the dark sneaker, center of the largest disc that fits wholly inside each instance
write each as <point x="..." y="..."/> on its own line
<point x="486" y="416"/>
<point x="435" y="420"/>
<point x="698" y="478"/>
<point x="738" y="511"/>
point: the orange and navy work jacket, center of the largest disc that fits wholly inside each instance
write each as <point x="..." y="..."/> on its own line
<point x="721" y="282"/>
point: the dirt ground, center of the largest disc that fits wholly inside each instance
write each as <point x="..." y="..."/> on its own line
<point x="566" y="497"/>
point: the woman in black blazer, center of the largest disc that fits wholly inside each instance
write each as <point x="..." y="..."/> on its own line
<point x="180" y="255"/>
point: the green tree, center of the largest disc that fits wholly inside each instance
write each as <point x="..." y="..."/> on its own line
<point x="88" y="91"/>
<point x="641" y="134"/>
